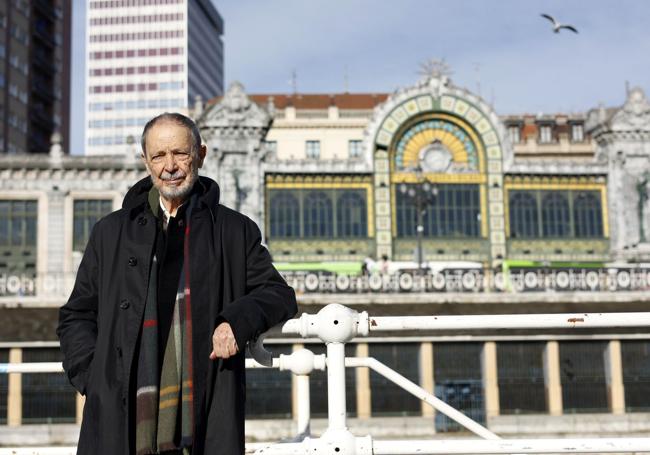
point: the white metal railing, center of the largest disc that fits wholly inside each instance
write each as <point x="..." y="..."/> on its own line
<point x="336" y="325"/>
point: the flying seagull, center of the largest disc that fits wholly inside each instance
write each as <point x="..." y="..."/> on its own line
<point x="557" y="26"/>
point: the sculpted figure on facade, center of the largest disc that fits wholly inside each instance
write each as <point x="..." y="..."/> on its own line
<point x="234" y="129"/>
<point x="635" y="113"/>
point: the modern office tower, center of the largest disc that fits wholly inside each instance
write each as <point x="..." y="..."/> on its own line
<point x="145" y="57"/>
<point x="34" y="74"/>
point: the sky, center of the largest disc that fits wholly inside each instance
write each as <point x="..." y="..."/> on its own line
<point x="503" y="50"/>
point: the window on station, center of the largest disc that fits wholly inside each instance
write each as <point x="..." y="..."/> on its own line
<point x="268" y="390"/>
<point x="587" y="214"/>
<point x="18" y="224"/>
<point x="556" y="217"/>
<point x="284" y="215"/>
<point x="521" y="378"/>
<point x="524" y="220"/>
<point x="351" y="215"/>
<point x="577" y="132"/>
<point x="47" y="397"/>
<point x="555" y="214"/>
<point x="582" y="374"/>
<point x="545" y="134"/>
<point x="86" y="213"/>
<point x="458" y="379"/>
<point x="318" y="384"/>
<point x="318" y="214"/>
<point x="354" y="148"/>
<point x="636" y="374"/>
<point x="388" y="399"/>
<point x="312" y="150"/>
<point x="514" y="133"/>
<point x="450" y="210"/>
<point x="312" y="213"/>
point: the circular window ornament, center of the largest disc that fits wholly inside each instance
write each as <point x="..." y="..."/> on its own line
<point x="435" y="157"/>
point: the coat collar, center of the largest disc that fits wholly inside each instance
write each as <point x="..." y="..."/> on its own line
<point x="205" y="190"/>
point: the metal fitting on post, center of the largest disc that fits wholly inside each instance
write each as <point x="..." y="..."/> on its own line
<point x="302" y="361"/>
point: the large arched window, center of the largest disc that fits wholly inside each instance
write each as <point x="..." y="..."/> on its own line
<point x="317" y="215"/>
<point x="285" y="215"/>
<point x="351" y="215"/>
<point x="449" y="210"/>
<point x="587" y="214"/>
<point x="523" y="215"/>
<point x="556" y="220"/>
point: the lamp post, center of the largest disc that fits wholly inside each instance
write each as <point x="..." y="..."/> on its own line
<point x="422" y="193"/>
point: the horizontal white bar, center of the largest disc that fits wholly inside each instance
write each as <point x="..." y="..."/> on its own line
<point x="36" y="367"/>
<point x="511" y="321"/>
<point x="56" y="367"/>
<point x="508" y="446"/>
<point x="38" y="451"/>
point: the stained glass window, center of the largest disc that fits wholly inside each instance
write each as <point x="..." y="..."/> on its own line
<point x="351" y="215"/>
<point x="556" y="219"/>
<point x="587" y="214"/>
<point x="310" y="213"/>
<point x="284" y="214"/>
<point x="523" y="214"/>
<point x="317" y="215"/>
<point x="448" y="210"/>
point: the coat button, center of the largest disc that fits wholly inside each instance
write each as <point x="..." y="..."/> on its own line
<point x="180" y="223"/>
<point x="124" y="401"/>
<point x="124" y="304"/>
<point x="142" y="221"/>
<point x="133" y="261"/>
<point x="119" y="351"/>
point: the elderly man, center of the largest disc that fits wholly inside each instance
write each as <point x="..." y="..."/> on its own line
<point x="170" y="289"/>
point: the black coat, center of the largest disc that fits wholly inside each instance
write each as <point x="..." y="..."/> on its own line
<point x="232" y="279"/>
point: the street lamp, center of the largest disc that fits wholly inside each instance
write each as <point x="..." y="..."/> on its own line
<point x="422" y="193"/>
<point x="432" y="158"/>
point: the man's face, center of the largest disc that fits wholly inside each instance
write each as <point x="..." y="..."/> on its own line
<point x="173" y="167"/>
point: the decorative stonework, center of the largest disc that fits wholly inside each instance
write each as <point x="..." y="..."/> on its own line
<point x="233" y="130"/>
<point x="635" y="114"/>
<point x="624" y="144"/>
<point x="431" y="97"/>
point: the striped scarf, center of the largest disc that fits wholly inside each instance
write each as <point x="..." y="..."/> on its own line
<point x="157" y="407"/>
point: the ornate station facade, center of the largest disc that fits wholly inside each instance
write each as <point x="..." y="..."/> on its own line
<point x="421" y="201"/>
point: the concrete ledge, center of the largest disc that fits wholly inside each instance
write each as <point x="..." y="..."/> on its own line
<point x="573" y="425"/>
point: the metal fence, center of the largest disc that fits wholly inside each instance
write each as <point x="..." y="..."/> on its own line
<point x="388" y="399"/>
<point x="582" y="368"/>
<point x="458" y="379"/>
<point x="636" y="374"/>
<point x="46" y="397"/>
<point x="521" y="373"/>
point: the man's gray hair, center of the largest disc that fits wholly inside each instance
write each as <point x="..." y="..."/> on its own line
<point x="179" y="119"/>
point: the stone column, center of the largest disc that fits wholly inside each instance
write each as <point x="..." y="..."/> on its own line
<point x="15" y="392"/>
<point x="490" y="378"/>
<point x="614" y="377"/>
<point x="426" y="376"/>
<point x="363" y="385"/>
<point x="552" y="378"/>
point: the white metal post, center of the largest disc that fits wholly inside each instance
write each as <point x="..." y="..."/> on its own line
<point x="303" y="417"/>
<point x="336" y="386"/>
